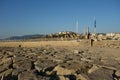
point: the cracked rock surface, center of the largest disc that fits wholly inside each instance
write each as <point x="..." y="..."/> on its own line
<point x="54" y="63"/>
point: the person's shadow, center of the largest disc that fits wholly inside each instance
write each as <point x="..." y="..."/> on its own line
<point x="114" y="76"/>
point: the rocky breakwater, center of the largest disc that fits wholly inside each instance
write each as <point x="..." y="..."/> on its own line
<point x="48" y="63"/>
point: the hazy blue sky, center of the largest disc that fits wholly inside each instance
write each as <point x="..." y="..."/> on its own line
<point x="23" y="17"/>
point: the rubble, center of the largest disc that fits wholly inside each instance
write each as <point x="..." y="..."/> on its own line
<point x="52" y="63"/>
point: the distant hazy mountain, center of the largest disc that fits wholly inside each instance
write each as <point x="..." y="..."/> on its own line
<point x="26" y="37"/>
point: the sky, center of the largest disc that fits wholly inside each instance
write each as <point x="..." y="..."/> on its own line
<point x="26" y="17"/>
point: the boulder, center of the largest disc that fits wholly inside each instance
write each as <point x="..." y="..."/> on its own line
<point x="76" y="51"/>
<point x="118" y="58"/>
<point x="107" y="67"/>
<point x="101" y="74"/>
<point x="94" y="68"/>
<point x="3" y="68"/>
<point x="25" y="65"/>
<point x="63" y="78"/>
<point x="17" y="71"/>
<point x="27" y="75"/>
<point x="7" y="61"/>
<point x="118" y="73"/>
<point x="85" y="59"/>
<point x="6" y="74"/>
<point x="44" y="65"/>
<point x="1" y="55"/>
<point x="62" y="71"/>
<point x="82" y="77"/>
<point x="18" y="58"/>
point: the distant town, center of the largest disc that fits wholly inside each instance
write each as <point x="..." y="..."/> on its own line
<point x="68" y="35"/>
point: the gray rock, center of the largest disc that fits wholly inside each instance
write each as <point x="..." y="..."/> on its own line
<point x="31" y="56"/>
<point x="76" y="51"/>
<point x="6" y="62"/>
<point x="1" y="55"/>
<point x="17" y="71"/>
<point x="107" y="67"/>
<point x="18" y="58"/>
<point x="101" y="74"/>
<point x="28" y="75"/>
<point x="85" y="59"/>
<point x="82" y="77"/>
<point x="25" y="64"/>
<point x="6" y="74"/>
<point x="118" y="58"/>
<point x="63" y="78"/>
<point x="44" y="78"/>
<point x="62" y="71"/>
<point x="3" y="68"/>
<point x="118" y="73"/>
<point x="93" y="69"/>
<point x="44" y="65"/>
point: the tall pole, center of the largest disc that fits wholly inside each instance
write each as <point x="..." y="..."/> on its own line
<point x="87" y="33"/>
<point x="77" y="26"/>
<point x="87" y="30"/>
<point x="94" y="25"/>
